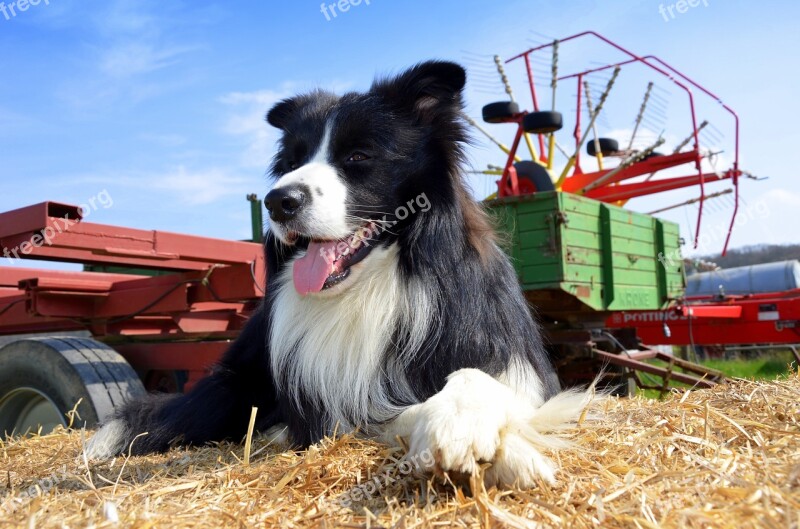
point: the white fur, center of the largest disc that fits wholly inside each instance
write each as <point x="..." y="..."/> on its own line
<point x="108" y="441"/>
<point x="340" y="339"/>
<point x="326" y="215"/>
<point x="477" y="419"/>
<point x="278" y="435"/>
<point x="523" y="379"/>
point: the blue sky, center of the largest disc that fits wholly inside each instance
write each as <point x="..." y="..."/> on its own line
<point x="161" y="104"/>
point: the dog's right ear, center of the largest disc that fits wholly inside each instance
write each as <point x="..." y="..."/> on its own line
<point x="426" y="89"/>
<point x="280" y="114"/>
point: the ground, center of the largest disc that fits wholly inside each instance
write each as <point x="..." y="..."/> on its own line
<point x="726" y="457"/>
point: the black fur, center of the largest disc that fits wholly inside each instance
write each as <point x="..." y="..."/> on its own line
<point x="410" y="130"/>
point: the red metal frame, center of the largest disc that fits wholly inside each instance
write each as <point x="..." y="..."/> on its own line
<point x="695" y="375"/>
<point x="772" y="318"/>
<point x="612" y="190"/>
<point x="508" y="185"/>
<point x="182" y="320"/>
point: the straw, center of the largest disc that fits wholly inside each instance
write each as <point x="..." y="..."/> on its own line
<point x="726" y="457"/>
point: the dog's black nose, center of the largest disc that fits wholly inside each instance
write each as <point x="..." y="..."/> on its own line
<point x="284" y="203"/>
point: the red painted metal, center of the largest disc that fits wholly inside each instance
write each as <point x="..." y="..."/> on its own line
<point x="708" y="377"/>
<point x="195" y="357"/>
<point x="182" y="320"/>
<point x="508" y="185"/>
<point x="576" y="170"/>
<point x="638" y="189"/>
<point x="734" y="320"/>
<point x="577" y="181"/>
<point x="72" y="240"/>
<point x="529" y="70"/>
<point x="711" y="311"/>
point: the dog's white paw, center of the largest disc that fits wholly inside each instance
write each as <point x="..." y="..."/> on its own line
<point x="475" y="419"/>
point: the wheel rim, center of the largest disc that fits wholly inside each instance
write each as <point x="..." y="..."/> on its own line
<point x="25" y="410"/>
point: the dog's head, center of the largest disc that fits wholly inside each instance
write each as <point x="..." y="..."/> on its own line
<point x="354" y="170"/>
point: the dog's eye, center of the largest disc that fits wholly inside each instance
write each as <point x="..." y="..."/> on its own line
<point x="358" y="157"/>
<point x="292" y="166"/>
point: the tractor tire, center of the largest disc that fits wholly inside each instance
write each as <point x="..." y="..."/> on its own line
<point x="41" y="379"/>
<point x="532" y="178"/>
<point x="542" y="122"/>
<point x="607" y="147"/>
<point x="500" y="111"/>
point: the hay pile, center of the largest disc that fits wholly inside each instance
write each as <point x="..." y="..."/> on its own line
<point x="727" y="457"/>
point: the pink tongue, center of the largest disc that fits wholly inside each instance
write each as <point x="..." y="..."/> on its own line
<point x="311" y="270"/>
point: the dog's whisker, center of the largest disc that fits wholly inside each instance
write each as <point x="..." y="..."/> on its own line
<point x="373" y="212"/>
<point x="363" y="220"/>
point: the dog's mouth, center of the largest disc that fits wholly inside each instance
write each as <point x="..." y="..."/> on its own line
<point x="327" y="263"/>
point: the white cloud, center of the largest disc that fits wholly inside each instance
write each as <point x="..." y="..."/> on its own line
<point x="126" y="43"/>
<point x="247" y="121"/>
<point x="782" y="197"/>
<point x="190" y="187"/>
<point x="201" y="187"/>
<point x="15" y="124"/>
<point x="165" y="140"/>
<point x="129" y="59"/>
<point x="124" y="17"/>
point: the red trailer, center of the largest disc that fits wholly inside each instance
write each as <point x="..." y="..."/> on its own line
<point x="157" y="324"/>
<point x="764" y="320"/>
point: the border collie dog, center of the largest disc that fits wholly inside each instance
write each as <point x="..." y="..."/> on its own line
<point x="390" y="308"/>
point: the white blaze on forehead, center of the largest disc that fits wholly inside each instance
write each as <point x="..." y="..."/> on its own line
<point x="323" y="151"/>
<point x="325" y="216"/>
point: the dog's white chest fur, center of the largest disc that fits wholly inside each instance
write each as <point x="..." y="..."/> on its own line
<point x="330" y="346"/>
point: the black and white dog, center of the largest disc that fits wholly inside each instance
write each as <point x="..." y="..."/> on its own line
<point x="390" y="307"/>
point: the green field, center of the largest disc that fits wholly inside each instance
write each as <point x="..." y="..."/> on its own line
<point x="758" y="369"/>
<point x="763" y="368"/>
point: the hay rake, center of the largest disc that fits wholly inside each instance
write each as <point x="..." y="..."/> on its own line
<point x="639" y="172"/>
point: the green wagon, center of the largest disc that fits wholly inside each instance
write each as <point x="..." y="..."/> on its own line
<point x="578" y="260"/>
<point x="576" y="256"/>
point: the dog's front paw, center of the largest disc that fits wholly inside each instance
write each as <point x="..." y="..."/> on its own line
<point x="457" y="428"/>
<point x="475" y="419"/>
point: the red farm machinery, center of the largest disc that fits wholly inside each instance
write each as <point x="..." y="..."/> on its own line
<point x="153" y="310"/>
<point x="583" y="258"/>
<point x="728" y="312"/>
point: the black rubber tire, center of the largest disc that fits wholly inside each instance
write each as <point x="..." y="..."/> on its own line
<point x="536" y="175"/>
<point x="607" y="146"/>
<point x="500" y="111"/>
<point x="65" y="370"/>
<point x="543" y="122"/>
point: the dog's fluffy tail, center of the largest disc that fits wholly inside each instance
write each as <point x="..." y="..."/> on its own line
<point x="565" y="408"/>
<point x="216" y="408"/>
<point x="559" y="413"/>
<point x="138" y="428"/>
<point x="533" y="432"/>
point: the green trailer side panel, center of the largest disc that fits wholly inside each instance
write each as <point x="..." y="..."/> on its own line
<point x="570" y="251"/>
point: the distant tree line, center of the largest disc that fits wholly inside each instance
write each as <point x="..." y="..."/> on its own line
<point x="744" y="256"/>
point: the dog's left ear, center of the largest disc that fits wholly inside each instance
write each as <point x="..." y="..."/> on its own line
<point x="279" y="115"/>
<point x="426" y="87"/>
